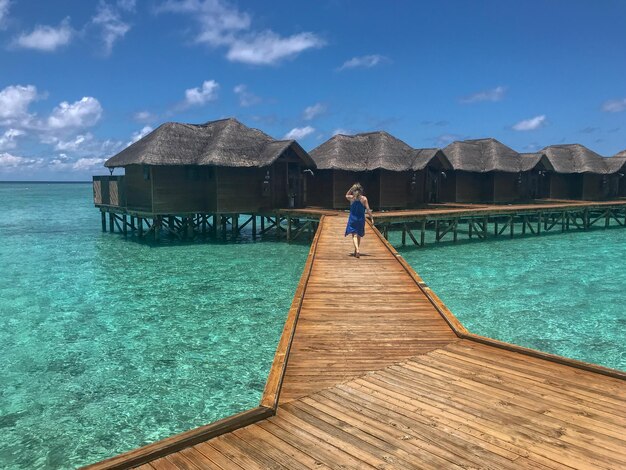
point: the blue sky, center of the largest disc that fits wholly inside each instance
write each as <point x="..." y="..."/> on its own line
<point x="80" y="80"/>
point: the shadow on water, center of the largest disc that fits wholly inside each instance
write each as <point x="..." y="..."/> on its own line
<point x="244" y="237"/>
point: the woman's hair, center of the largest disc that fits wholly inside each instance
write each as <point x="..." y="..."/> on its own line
<point x="356" y="190"/>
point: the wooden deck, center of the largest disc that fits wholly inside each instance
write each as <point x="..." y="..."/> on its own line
<point x="465" y="405"/>
<point x="372" y="371"/>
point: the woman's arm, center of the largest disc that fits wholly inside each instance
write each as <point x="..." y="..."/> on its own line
<point x="367" y="208"/>
<point x="349" y="195"/>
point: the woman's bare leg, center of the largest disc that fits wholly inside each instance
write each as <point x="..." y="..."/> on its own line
<point x="358" y="245"/>
<point x="355" y="243"/>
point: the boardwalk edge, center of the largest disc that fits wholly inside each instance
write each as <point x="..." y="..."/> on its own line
<point x="275" y="377"/>
<point x="266" y="408"/>
<point x="464" y="333"/>
<point x="180" y="441"/>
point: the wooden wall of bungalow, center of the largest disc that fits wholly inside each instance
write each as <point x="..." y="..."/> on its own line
<point x="494" y="186"/>
<point x="179" y="189"/>
<point x="384" y="189"/>
<point x="584" y="186"/>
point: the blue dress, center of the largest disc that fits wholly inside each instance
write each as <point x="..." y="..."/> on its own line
<point x="356" y="221"/>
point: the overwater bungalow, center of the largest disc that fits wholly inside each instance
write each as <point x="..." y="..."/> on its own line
<point x="485" y="170"/>
<point x="219" y="167"/>
<point x="394" y="175"/>
<point x="617" y="164"/>
<point x="580" y="173"/>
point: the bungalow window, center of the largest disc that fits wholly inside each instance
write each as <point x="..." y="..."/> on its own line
<point x="146" y="172"/>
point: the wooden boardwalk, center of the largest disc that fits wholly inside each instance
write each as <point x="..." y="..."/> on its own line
<point x="379" y="375"/>
<point x="357" y="315"/>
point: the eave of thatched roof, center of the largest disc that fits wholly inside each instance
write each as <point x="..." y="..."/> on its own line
<point x="576" y="158"/>
<point x="530" y="161"/>
<point x="225" y="142"/>
<point x="483" y="155"/>
<point x="364" y="152"/>
<point x="621" y="154"/>
<point x="423" y="157"/>
<point x="616" y="163"/>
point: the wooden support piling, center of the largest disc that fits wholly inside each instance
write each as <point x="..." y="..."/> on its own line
<point x="289" y="221"/>
<point x="111" y="222"/>
<point x="157" y="223"/>
<point x="125" y="225"/>
<point x="539" y="223"/>
<point x="423" y="232"/>
<point x="103" y="216"/>
<point x="254" y="225"/>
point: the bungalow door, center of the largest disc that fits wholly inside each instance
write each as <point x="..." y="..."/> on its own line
<point x="294" y="185"/>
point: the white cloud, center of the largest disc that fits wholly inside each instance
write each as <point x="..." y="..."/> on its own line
<point x="201" y="95"/>
<point x="366" y="61"/>
<point x="342" y="131"/>
<point x="14" y="102"/>
<point x="46" y="38"/>
<point x="246" y="98"/>
<point x="614" y="106"/>
<point x="11" y="161"/>
<point x="88" y="163"/>
<point x="139" y="135"/>
<point x="83" y="113"/>
<point x="4" y="11"/>
<point x="7" y="140"/>
<point x="223" y="25"/>
<point x="127" y="5"/>
<point x="144" y="117"/>
<point x="110" y="23"/>
<point x="530" y="124"/>
<point x="74" y="144"/>
<point x="494" y="94"/>
<point x="299" y="132"/>
<point x="268" y="48"/>
<point x="311" y="112"/>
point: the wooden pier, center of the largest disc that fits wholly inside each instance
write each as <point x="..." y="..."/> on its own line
<point x="372" y="371"/>
<point x="451" y="222"/>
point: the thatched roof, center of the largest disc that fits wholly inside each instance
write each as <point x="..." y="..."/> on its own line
<point x="621" y="154"/>
<point x="576" y="158"/>
<point x="363" y="152"/>
<point x="483" y="155"/>
<point x="372" y="151"/>
<point x="616" y="163"/>
<point x="225" y="142"/>
<point x="424" y="156"/>
<point x="531" y="160"/>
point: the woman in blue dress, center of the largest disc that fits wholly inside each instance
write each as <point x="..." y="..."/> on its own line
<point x="356" y="221"/>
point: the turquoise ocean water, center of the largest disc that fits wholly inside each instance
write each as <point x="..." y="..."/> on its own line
<point x="560" y="293"/>
<point x="107" y="344"/>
